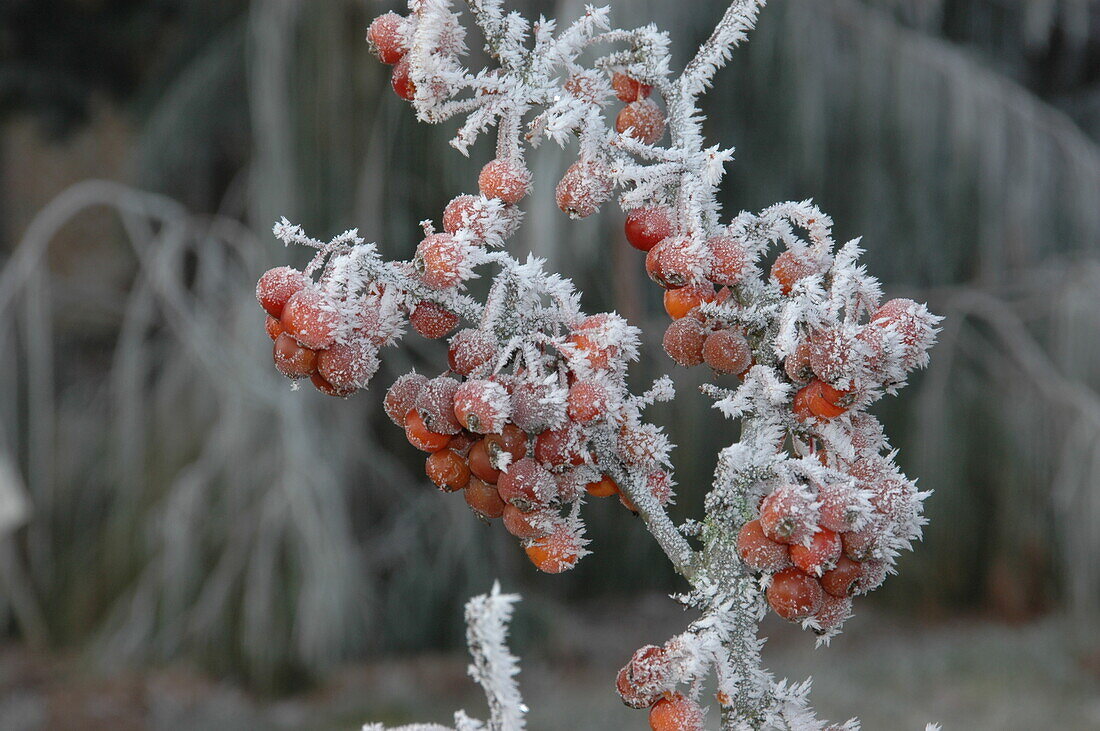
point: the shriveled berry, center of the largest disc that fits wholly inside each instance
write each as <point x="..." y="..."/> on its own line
<point x="348" y="367"/>
<point x="483" y="499"/>
<point x="647" y="226"/>
<point x="433" y="321"/>
<point x="644" y="120"/>
<point x="727" y="352"/>
<point x="676" y="712"/>
<point x="527" y="525"/>
<point x="557" y="552"/>
<point x="447" y="469"/>
<point x="292" y="359"/>
<point x="311" y="318"/>
<point x="385" y="38"/>
<point x="794" y="595"/>
<point x="402" y="396"/>
<point x="482" y="406"/>
<point x="628" y="89"/>
<point x="586" y="186"/>
<point x="684" y="340"/>
<point x="420" y="436"/>
<point x="276" y="286"/>
<point x="588" y="401"/>
<point x="470" y="350"/>
<point x="507" y="180"/>
<point x="728" y="260"/>
<point x="679" y="302"/>
<point x="759" y="552"/>
<point x="631" y="695"/>
<point x="843" y="580"/>
<point x="819" y="555"/>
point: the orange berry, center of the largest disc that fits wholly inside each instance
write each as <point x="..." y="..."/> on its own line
<point x="843" y="579"/>
<point x="385" y="38"/>
<point x="402" y="396"/>
<point x="292" y="359"/>
<point x="819" y="555"/>
<point x="590" y="338"/>
<point x="643" y="119"/>
<point x="447" y="469"/>
<point x="481" y="463"/>
<point x="559" y="448"/>
<point x="433" y="321"/>
<point x="728" y="260"/>
<point x="526" y="484"/>
<point x="276" y="286"/>
<point x="759" y="552"/>
<point x="676" y="713"/>
<point x="633" y="696"/>
<point x="312" y="318"/>
<point x="420" y="436"/>
<point x="483" y="499"/>
<point x="684" y="340"/>
<point x="604" y="487"/>
<point x="679" y="302"/>
<point x="587" y="401"/>
<point x="647" y="226"/>
<point x="727" y="352"/>
<point x="787" y="515"/>
<point x="586" y="185"/>
<point x="790" y="267"/>
<point x="557" y="552"/>
<point x="526" y="526"/>
<point x="675" y="262"/>
<point x="628" y="89"/>
<point x="470" y="349"/>
<point x="348" y="367"/>
<point x="794" y="595"/>
<point x="482" y="406"/>
<point x="438" y="261"/>
<point x="274" y="327"/>
<point x="797" y="364"/>
<point x="507" y="180"/>
<point x="321" y="384"/>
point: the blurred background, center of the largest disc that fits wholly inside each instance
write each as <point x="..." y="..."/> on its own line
<point x="185" y="543"/>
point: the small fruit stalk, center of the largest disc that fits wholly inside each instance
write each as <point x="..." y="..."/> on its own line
<point x="533" y="417"/>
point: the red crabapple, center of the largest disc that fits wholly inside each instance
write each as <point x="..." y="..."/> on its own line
<point x="788" y="515"/>
<point x="830" y="354"/>
<point x="675" y="262"/>
<point x="596" y="339"/>
<point x="863" y="544"/>
<point x="797" y="364"/>
<point x="647" y="226"/>
<point x="292" y="359"/>
<point x="649" y="669"/>
<point x="482" y="406"/>
<point x="526" y="484"/>
<point x="557" y="552"/>
<point x="759" y="552"/>
<point x="385" y="38"/>
<point x="527" y="525"/>
<point x="484" y="499"/>
<point x="604" y="487"/>
<point x="276" y="286"/>
<point x="402" y="85"/>
<point x="321" y="384"/>
<point x="274" y="327"/>
<point x="727" y="352"/>
<point x="631" y="695"/>
<point x="684" y="340"/>
<point x="676" y="713"/>
<point x="791" y="267"/>
<point x="505" y="179"/>
<point x="843" y="579"/>
<point x="420" y="436"/>
<point x="470" y="350"/>
<point x="833" y="612"/>
<point x="482" y="463"/>
<point x="348" y="367"/>
<point x="819" y="555"/>
<point x="533" y="409"/>
<point x="628" y="89"/>
<point x="436" y="404"/>
<point x="839" y="509"/>
<point x="586" y="185"/>
<point x="643" y="119"/>
<point x="874" y="573"/>
<point x="447" y="469"/>
<point x="312" y="318"/>
<point x="433" y="321"/>
<point x="588" y="401"/>
<point x="728" y="260"/>
<point x="439" y="261"/>
<point x="559" y="448"/>
<point x="402" y="396"/>
<point x="793" y="595"/>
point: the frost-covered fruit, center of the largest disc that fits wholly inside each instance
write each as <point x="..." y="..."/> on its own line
<point x="843" y="579"/>
<point x="727" y="352"/>
<point x="401" y="82"/>
<point x="276" y="286"/>
<point x="507" y="180"/>
<point x="439" y="260"/>
<point x="312" y="318"/>
<point x="433" y="321"/>
<point x="470" y="349"/>
<point x="912" y="322"/>
<point x="604" y="487"/>
<point x="486" y="455"/>
<point x="632" y="696"/>
<point x="628" y="89"/>
<point x="788" y="515"/>
<point x="679" y="302"/>
<point x="874" y="573"/>
<point x="834" y="610"/>
<point x="643" y="119"/>
<point x="819" y="399"/>
<point x="460" y="213"/>
<point x="794" y="595"/>
<point x="482" y="464"/>
<point x="558" y="551"/>
<point x="584" y="87"/>
<point x="421" y="436"/>
<point x="402" y="396"/>
<point x="293" y="360"/>
<point x="569" y="485"/>
<point x="436" y="404"/>
<point x="797" y="364"/>
<point x="684" y="340"/>
<point x="274" y="327"/>
<point x="526" y="525"/>
<point x="532" y="409"/>
<point x="759" y="552"/>
<point x="384" y="35"/>
<point x="862" y="545"/>
<point x="819" y="555"/>
<point x="659" y="485"/>
<point x="483" y="499"/>
<point x="526" y="484"/>
<point x="588" y="401"/>
<point x="482" y="406"/>
<point x="728" y="260"/>
<point x="830" y="354"/>
<point x="586" y="186"/>
<point x="676" y="712"/>
<point x="790" y="267"/>
<point x="348" y="366"/>
<point x="447" y="469"/>
<point x="559" y="448"/>
<point x="839" y="509"/>
<point x="462" y="442"/>
<point x="592" y="339"/>
<point x="647" y="226"/>
<point x="675" y="262"/>
<point x="642" y="445"/>
<point x="329" y="389"/>
<point x="649" y="670"/>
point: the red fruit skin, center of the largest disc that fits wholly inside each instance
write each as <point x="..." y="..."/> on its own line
<point x="433" y="321"/>
<point x="276" y="286"/>
<point x="785" y="516"/>
<point x="790" y="267"/>
<point x="628" y="89"/>
<point x="587" y="402"/>
<point x="632" y="696"/>
<point x="311" y="318"/>
<point x="293" y="360"/>
<point x="321" y="384"/>
<point x="674" y="263"/>
<point x="525" y="526"/>
<point x="727" y="352"/>
<point x="556" y="552"/>
<point x="402" y="396"/>
<point x="400" y="81"/>
<point x="527" y="485"/>
<point x="647" y="226"/>
<point x="729" y="260"/>
<point x="470" y="349"/>
<point x="644" y="118"/>
<point x="384" y="35"/>
<point x="419" y="435"/>
<point x="483" y="499"/>
<point x="605" y="487"/>
<point x="348" y="367"/>
<point x="833" y="612"/>
<point x="679" y="302"/>
<point x="793" y="595"/>
<point x="559" y="448"/>
<point x="676" y="713"/>
<point x="507" y="180"/>
<point x="585" y="187"/>
<point x="273" y="327"/>
<point x="447" y="469"/>
<point x="820" y="555"/>
<point x="843" y="580"/>
<point x="438" y="261"/>
<point x="684" y="340"/>
<point x="481" y="462"/>
<point x="759" y="552"/>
